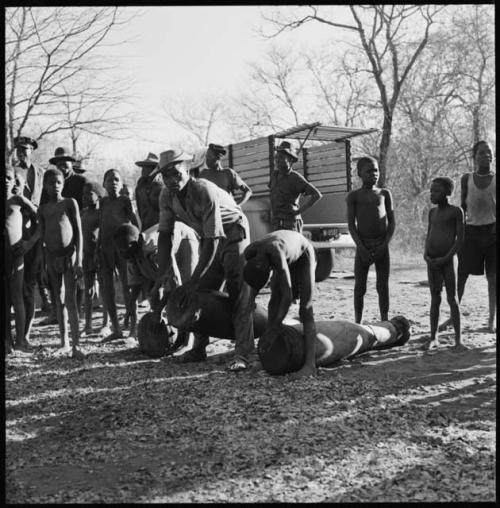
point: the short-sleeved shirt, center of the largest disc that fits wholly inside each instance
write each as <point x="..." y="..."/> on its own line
<point x="225" y="178"/>
<point x="285" y="191"/>
<point x="209" y="210"/>
<point x="147" y="191"/>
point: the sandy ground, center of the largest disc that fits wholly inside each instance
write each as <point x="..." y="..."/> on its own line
<point x="395" y="425"/>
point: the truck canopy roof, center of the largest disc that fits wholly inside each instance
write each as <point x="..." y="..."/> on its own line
<point x="317" y="132"/>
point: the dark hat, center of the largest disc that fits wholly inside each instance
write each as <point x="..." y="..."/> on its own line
<point x="61" y="154"/>
<point x="150" y="160"/>
<point x="25" y="141"/>
<point x="217" y="148"/>
<point x="169" y="157"/>
<point x="286" y="146"/>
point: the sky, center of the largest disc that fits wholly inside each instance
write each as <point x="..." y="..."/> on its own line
<point x="190" y="51"/>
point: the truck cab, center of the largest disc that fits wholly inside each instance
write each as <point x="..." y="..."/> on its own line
<point x="324" y="160"/>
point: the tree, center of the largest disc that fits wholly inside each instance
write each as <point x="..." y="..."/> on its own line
<point x="51" y="54"/>
<point x="392" y="37"/>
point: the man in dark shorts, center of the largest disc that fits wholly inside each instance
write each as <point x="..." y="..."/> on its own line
<point x="291" y="258"/>
<point x="479" y="252"/>
<point x="286" y="186"/>
<point x="225" y="178"/>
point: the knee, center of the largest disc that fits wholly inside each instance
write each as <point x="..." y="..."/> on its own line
<point x="382" y="286"/>
<point x="436" y="296"/>
<point x="360" y="288"/>
<point x="306" y="313"/>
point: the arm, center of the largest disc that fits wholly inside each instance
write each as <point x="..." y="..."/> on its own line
<point x="25" y="204"/>
<point x="313" y="196"/>
<point x="238" y="183"/>
<point x="391" y="223"/>
<point x="463" y="191"/>
<point x="131" y="214"/>
<point x="459" y="238"/>
<point x="351" y="223"/>
<point x="282" y="272"/>
<point x="207" y="254"/>
<point x="427" y="258"/>
<point x="74" y="217"/>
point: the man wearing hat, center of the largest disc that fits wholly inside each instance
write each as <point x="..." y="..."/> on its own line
<point x="147" y="191"/>
<point x="225" y="178"/>
<point x="286" y="187"/>
<point x="32" y="176"/>
<point x="73" y="182"/>
<point x="224" y="232"/>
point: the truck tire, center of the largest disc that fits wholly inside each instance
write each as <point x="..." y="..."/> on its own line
<point x="324" y="260"/>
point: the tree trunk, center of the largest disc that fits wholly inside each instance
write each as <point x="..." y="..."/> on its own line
<point x="384" y="148"/>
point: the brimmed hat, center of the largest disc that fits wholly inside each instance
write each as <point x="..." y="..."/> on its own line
<point x="150" y="160"/>
<point x="217" y="148"/>
<point x="25" y="141"/>
<point x="170" y="157"/>
<point x="61" y="154"/>
<point x="286" y="146"/>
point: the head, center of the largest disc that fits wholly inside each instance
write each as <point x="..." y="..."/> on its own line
<point x="368" y="170"/>
<point x="64" y="166"/>
<point x="148" y="164"/>
<point x="19" y="183"/>
<point x="441" y="187"/>
<point x="10" y="180"/>
<point x="112" y="182"/>
<point x="53" y="182"/>
<point x="126" y="239"/>
<point x="482" y="153"/>
<point x="176" y="175"/>
<point x="256" y="272"/>
<point x="92" y="192"/>
<point x="214" y="155"/>
<point x="147" y="169"/>
<point x="24" y="154"/>
<point x="125" y="191"/>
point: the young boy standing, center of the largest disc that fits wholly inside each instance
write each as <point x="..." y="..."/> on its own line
<point x="445" y="236"/>
<point x="370" y="218"/>
<point x="92" y="193"/>
<point x="114" y="211"/>
<point x="61" y="231"/>
<point x="15" y="248"/>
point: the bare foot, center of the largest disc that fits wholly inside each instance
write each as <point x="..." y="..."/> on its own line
<point x="88" y="330"/>
<point x="303" y="372"/>
<point x="444" y="325"/>
<point x="105" y="330"/>
<point x="460" y="347"/>
<point x="77" y="353"/>
<point x="23" y="345"/>
<point x="113" y="336"/>
<point x="432" y="345"/>
<point x="492" y="327"/>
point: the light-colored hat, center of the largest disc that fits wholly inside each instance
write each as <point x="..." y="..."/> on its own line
<point x="150" y="160"/>
<point x="170" y="157"/>
<point x="61" y="154"/>
<point x="286" y="146"/>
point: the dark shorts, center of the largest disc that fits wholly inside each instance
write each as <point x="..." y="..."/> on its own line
<point x="290" y="224"/>
<point x="479" y="251"/>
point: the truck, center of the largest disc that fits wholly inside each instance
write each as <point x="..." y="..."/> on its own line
<point x="325" y="161"/>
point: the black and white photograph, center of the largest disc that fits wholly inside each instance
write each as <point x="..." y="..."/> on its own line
<point x="250" y="254"/>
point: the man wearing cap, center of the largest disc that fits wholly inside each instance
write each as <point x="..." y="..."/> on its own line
<point x="32" y="176"/>
<point x="286" y="187"/>
<point x="225" y="178"/>
<point x="223" y="229"/>
<point x="147" y="191"/>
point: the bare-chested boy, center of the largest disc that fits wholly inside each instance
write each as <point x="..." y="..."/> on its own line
<point x="60" y="228"/>
<point x="92" y="193"/>
<point x="115" y="210"/>
<point x="290" y="256"/>
<point x="370" y="217"/>
<point x="445" y="235"/>
<point x="140" y="249"/>
<point x="225" y="178"/>
<point x="15" y="248"/>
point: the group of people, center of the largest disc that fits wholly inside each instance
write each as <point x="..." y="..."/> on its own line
<point x="65" y="232"/>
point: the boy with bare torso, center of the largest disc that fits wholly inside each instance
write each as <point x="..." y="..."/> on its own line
<point x="60" y="228"/>
<point x="445" y="236"/>
<point x="370" y="218"/>
<point x="15" y="248"/>
<point x="290" y="256"/>
<point x="92" y="193"/>
<point x="115" y="210"/>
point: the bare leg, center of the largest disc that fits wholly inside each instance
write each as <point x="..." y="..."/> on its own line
<point x="461" y="280"/>
<point x="70" y="301"/>
<point x="434" y="319"/>
<point x="492" y="300"/>
<point x="133" y="296"/>
<point x="383" y="268"/>
<point x="56" y="280"/>
<point x="88" y="279"/>
<point x="451" y="294"/>
<point x="16" y="299"/>
<point x="108" y="291"/>
<point x="360" y="276"/>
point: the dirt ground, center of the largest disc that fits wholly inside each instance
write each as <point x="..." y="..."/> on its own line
<point x="396" y="425"/>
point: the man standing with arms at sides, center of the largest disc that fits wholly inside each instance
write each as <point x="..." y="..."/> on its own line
<point x="147" y="191"/>
<point x="224" y="232"/>
<point x="225" y="178"/>
<point x="33" y="186"/>
<point x="286" y="187"/>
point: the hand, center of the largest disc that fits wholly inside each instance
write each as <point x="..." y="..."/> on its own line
<point x="20" y="248"/>
<point x="440" y="261"/>
<point x="156" y="287"/>
<point x="187" y="293"/>
<point x="78" y="271"/>
<point x="20" y="200"/>
<point x="365" y="255"/>
<point x="379" y="251"/>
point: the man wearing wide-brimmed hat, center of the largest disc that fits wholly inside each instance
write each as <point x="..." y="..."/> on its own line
<point x="147" y="191"/>
<point x="32" y="176"/>
<point x="224" y="232"/>
<point x="225" y="178"/>
<point x="286" y="187"/>
<point x="73" y="182"/>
